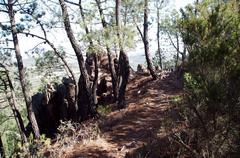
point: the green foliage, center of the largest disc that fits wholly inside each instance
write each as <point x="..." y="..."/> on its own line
<point x="48" y="67"/>
<point x="104" y="109"/>
<point x="166" y="63"/>
<point x="155" y="60"/>
<point x="9" y="132"/>
<point x="176" y="100"/>
<point x="169" y="23"/>
<point x="95" y="49"/>
<point x="33" y="148"/>
<point x="211" y="32"/>
<point x="46" y="60"/>
<point x="8" y="127"/>
<point x="191" y="82"/>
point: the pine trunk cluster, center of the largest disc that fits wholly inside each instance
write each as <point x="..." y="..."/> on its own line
<point x="110" y="58"/>
<point x="85" y="95"/>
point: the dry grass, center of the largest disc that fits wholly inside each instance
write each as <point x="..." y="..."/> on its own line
<point x="70" y="135"/>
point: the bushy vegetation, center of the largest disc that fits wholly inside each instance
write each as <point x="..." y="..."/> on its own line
<point x="210" y="31"/>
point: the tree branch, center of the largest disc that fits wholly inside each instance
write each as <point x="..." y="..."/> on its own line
<point x="171" y="40"/>
<point x="138" y="28"/>
<point x="4" y="11"/>
<point x="70" y="2"/>
<point x="140" y="32"/>
<point x="54" y="49"/>
<point x="179" y="141"/>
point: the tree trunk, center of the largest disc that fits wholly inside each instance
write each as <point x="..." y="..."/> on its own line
<point x="84" y="24"/>
<point x="124" y="68"/>
<point x="85" y="98"/>
<point x="110" y="59"/>
<point x="2" y="153"/>
<point x="184" y="54"/>
<point x="13" y="104"/>
<point x="146" y="41"/>
<point x="124" y="75"/>
<point x="31" y="115"/>
<point x="95" y="80"/>
<point x="158" y="37"/>
<point x="178" y="50"/>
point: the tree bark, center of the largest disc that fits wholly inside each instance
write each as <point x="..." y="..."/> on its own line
<point x="85" y="99"/>
<point x="2" y="153"/>
<point x="124" y="68"/>
<point x="146" y="41"/>
<point x="178" y="50"/>
<point x="184" y="54"/>
<point x="158" y="37"/>
<point x="110" y="59"/>
<point x="27" y="98"/>
<point x="124" y="75"/>
<point x="95" y="80"/>
<point x="13" y="104"/>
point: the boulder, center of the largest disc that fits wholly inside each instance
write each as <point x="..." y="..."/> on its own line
<point x="102" y="87"/>
<point x="54" y="105"/>
<point x="142" y="70"/>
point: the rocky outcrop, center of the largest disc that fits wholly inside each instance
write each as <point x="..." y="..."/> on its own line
<point x="58" y="102"/>
<point x="54" y="104"/>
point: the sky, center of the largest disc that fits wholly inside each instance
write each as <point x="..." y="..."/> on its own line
<point x="136" y="56"/>
<point x="181" y="3"/>
<point x="59" y="37"/>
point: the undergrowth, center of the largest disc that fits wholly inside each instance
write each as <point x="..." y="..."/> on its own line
<point x="69" y="134"/>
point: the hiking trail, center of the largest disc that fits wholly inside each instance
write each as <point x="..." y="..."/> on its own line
<point x="126" y="131"/>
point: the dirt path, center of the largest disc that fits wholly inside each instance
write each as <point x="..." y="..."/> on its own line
<point x="128" y="130"/>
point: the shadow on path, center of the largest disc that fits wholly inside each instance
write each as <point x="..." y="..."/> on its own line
<point x="132" y="130"/>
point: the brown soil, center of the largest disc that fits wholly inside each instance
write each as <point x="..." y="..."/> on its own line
<point x="136" y="130"/>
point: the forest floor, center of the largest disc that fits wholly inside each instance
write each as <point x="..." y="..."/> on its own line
<point x="139" y="129"/>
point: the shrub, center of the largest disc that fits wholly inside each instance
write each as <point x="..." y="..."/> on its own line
<point x="211" y="107"/>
